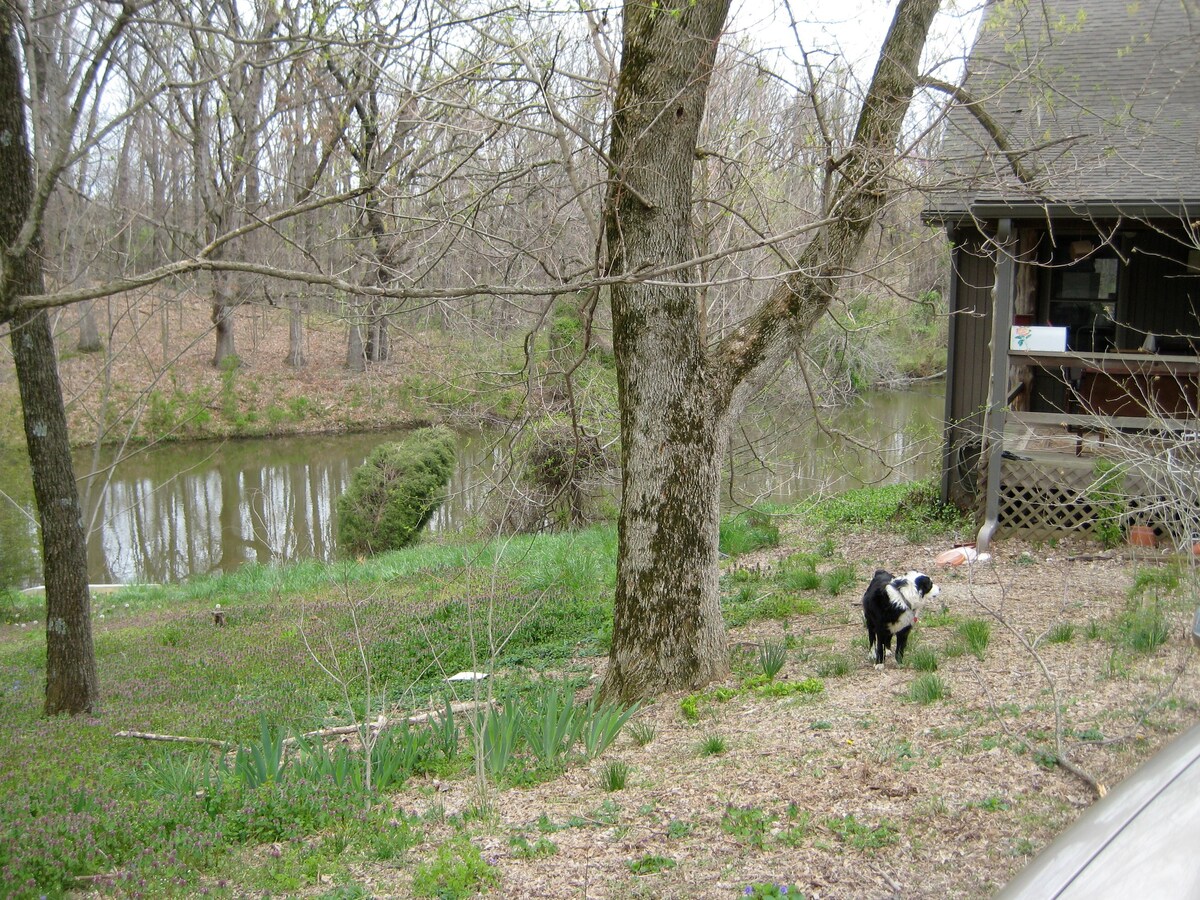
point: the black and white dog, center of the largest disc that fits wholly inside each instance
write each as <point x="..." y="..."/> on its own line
<point x="890" y="607"/>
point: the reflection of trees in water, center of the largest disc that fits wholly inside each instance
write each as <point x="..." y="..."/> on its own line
<point x="883" y="438"/>
<point x="19" y="553"/>
<point x="184" y="509"/>
<point x="237" y="509"/>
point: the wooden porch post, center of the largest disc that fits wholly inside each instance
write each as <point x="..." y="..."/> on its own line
<point x="952" y="235"/>
<point x="993" y="423"/>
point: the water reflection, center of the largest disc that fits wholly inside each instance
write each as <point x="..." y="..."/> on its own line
<point x="884" y="437"/>
<point x="179" y="510"/>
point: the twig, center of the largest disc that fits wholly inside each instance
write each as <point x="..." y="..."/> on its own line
<point x="1060" y="752"/>
<point x="896" y="892"/>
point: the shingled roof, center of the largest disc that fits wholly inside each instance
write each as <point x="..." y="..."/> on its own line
<point x="1100" y="105"/>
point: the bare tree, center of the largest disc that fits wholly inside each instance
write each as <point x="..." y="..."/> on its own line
<point x="677" y="395"/>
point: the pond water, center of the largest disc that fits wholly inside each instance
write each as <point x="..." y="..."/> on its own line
<point x="166" y="513"/>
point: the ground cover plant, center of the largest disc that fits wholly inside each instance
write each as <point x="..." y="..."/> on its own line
<point x="807" y="769"/>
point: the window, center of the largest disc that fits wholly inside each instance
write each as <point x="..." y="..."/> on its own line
<point x="1083" y="296"/>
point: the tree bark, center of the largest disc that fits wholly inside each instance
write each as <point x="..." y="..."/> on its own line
<point x="222" y="319"/>
<point x="71" y="684"/>
<point x="677" y="397"/>
<point x="668" y="630"/>
<point x="89" y="334"/>
<point x="296" y="358"/>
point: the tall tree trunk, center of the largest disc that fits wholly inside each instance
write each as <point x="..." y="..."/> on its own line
<point x="668" y="628"/>
<point x="222" y="318"/>
<point x="89" y="334"/>
<point x="71" y="684"/>
<point x="356" y="360"/>
<point x="379" y="343"/>
<point x="295" y="356"/>
<point x="678" y="397"/>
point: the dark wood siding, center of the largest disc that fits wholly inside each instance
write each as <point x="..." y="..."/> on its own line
<point x="971" y="326"/>
<point x="1163" y="297"/>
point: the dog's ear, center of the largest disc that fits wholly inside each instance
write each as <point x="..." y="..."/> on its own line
<point x="924" y="584"/>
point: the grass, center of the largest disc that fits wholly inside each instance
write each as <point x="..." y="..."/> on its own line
<point x="772" y="655"/>
<point x="976" y="635"/>
<point x="651" y="864"/>
<point x="713" y="745"/>
<point x="860" y="835"/>
<point x="835" y="665"/>
<point x="1143" y="626"/>
<point x="166" y="669"/>
<point x="927" y="688"/>
<point x="1061" y="633"/>
<point x="642" y="732"/>
<point x="614" y="775"/>
<point x="747" y="825"/>
<point x="923" y="659"/>
<point x="751" y="530"/>
<point x="911" y="508"/>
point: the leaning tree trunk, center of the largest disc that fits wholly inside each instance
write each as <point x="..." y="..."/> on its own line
<point x="668" y="631"/>
<point x="678" y="397"/>
<point x="71" y="684"/>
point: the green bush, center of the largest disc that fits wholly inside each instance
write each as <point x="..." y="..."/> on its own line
<point x="395" y="492"/>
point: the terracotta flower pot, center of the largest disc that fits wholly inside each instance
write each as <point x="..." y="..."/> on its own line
<point x="1141" y="536"/>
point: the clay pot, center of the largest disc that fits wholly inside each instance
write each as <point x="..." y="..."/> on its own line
<point x="1141" y="536"/>
<point x="956" y="556"/>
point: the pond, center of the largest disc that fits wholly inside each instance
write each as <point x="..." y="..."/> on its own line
<point x="166" y="513"/>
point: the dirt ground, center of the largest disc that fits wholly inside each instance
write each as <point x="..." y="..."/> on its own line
<point x="948" y="798"/>
<point x="159" y="379"/>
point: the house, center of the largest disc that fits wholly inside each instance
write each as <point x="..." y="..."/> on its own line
<point x="1071" y="199"/>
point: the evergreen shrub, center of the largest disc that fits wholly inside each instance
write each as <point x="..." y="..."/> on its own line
<point x="393" y="495"/>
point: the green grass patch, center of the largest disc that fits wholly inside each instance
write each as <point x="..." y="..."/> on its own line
<point x="835" y="665"/>
<point x="748" y="825"/>
<point x="928" y="688"/>
<point x="457" y="871"/>
<point x="755" y="603"/>
<point x="976" y="635"/>
<point x="165" y="669"/>
<point x="1158" y="580"/>
<point x="651" y="864"/>
<point x="1060" y="633"/>
<point x="923" y="659"/>
<point x="862" y="836"/>
<point x="713" y="745"/>
<point x="1142" y="626"/>
<point x="838" y="580"/>
<point x="911" y="508"/>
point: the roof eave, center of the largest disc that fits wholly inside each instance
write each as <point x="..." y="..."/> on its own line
<point x="993" y="208"/>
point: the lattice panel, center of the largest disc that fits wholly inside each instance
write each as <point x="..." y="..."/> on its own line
<point x="1040" y="499"/>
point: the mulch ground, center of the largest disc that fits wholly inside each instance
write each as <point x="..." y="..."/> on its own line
<point x="859" y="791"/>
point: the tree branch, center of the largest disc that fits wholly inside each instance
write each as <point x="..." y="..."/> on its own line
<point x="975" y="106"/>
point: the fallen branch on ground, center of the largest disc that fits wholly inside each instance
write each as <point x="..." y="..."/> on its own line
<point x="379" y="724"/>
